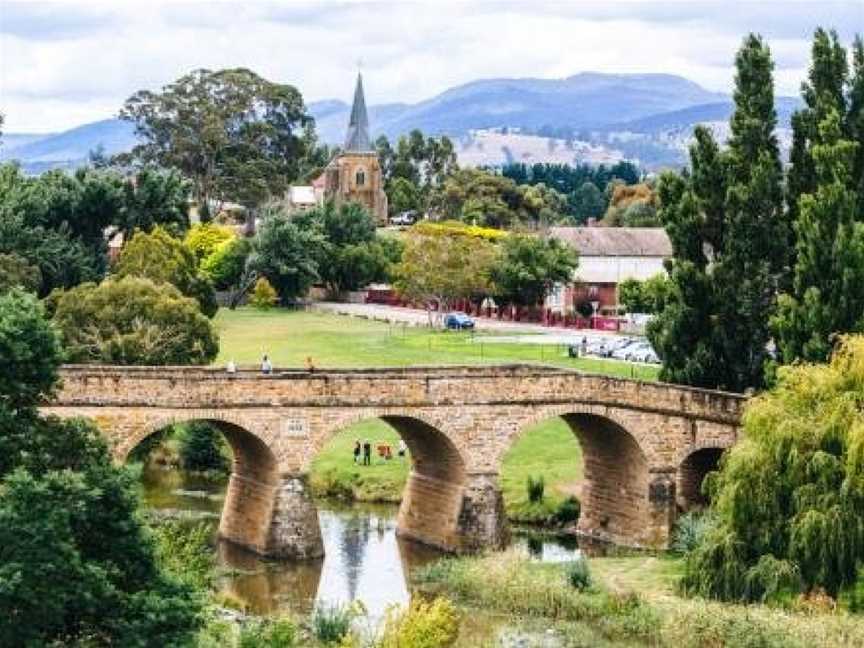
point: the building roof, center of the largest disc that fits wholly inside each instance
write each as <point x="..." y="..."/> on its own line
<point x="616" y="241"/>
<point x="302" y="195"/>
<point x="357" y="138"/>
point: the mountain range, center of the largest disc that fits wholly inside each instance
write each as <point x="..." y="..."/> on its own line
<point x="648" y="117"/>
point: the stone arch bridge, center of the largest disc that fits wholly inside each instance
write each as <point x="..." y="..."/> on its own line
<point x="646" y="446"/>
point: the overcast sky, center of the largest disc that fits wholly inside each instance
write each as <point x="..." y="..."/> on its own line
<point x="66" y="63"/>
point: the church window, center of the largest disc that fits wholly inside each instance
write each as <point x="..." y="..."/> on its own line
<point x="360" y="177"/>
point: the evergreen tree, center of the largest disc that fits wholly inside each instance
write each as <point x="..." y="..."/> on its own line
<point x="730" y="241"/>
<point x="827" y="294"/>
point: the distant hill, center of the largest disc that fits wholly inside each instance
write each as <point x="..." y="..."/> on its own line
<point x="69" y="148"/>
<point x="648" y="117"/>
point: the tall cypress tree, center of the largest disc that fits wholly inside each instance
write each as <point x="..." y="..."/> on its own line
<point x="731" y="242"/>
<point x="827" y="294"/>
<point x="855" y="118"/>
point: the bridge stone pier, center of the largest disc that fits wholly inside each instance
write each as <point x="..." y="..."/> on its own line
<point x="646" y="446"/>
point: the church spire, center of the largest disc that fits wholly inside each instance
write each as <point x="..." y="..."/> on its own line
<point x="357" y="139"/>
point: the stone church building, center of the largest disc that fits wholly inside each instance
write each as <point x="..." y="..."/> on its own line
<point x="355" y="174"/>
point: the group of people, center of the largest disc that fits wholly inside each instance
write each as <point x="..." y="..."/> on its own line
<point x="267" y="366"/>
<point x="363" y="452"/>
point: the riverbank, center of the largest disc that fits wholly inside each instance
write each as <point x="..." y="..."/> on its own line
<point x="632" y="601"/>
<point x="548" y="450"/>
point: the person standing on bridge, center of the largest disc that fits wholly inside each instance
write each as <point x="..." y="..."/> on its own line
<point x="266" y="365"/>
<point x="357" y="451"/>
<point x="367" y="453"/>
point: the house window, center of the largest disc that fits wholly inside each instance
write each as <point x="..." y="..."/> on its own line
<point x="360" y="177"/>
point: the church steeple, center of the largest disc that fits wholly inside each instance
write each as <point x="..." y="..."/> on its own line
<point x="357" y="139"/>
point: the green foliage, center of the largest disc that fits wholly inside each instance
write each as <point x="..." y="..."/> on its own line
<point x="201" y="447"/>
<point x="568" y="510"/>
<point x="29" y="351"/>
<point x="455" y="228"/>
<point x="730" y="240"/>
<point x="278" y="632"/>
<point x="263" y="295"/>
<point x="649" y="296"/>
<point x="690" y="529"/>
<point x="235" y="135"/>
<point x="579" y="574"/>
<point x="425" y="624"/>
<point x="58" y="484"/>
<point x="133" y="321"/>
<point x="535" y="487"/>
<point x="588" y="201"/>
<point x="788" y="500"/>
<point x="16" y="272"/>
<point x="285" y="253"/>
<point x="151" y="198"/>
<point x="827" y="292"/>
<point x="441" y="268"/>
<point x="331" y="622"/>
<point x="225" y="266"/>
<point x="183" y="551"/>
<point x="529" y="267"/>
<point x="162" y="258"/>
<point x="204" y="238"/>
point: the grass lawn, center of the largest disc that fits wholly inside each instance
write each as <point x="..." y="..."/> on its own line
<point x="549" y="449"/>
<point x="289" y="337"/>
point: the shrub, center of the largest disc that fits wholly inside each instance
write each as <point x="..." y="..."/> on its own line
<point x="204" y="238"/>
<point x="201" y="447"/>
<point x="425" y="624"/>
<point x="133" y="321"/>
<point x="331" y="623"/>
<point x="279" y="632"/>
<point x="689" y="531"/>
<point x="569" y="510"/>
<point x="225" y="266"/>
<point x="585" y="309"/>
<point x="183" y="550"/>
<point x="264" y="295"/>
<point x="535" y="487"/>
<point x="579" y="574"/>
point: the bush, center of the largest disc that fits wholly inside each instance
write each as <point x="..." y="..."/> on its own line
<point x="579" y="574"/>
<point x="535" y="487"/>
<point x="183" y="550"/>
<point x="585" y="309"/>
<point x="133" y="321"/>
<point x="201" y="447"/>
<point x="331" y="623"/>
<point x="268" y="633"/>
<point x="225" y="266"/>
<point x="689" y="531"/>
<point x="424" y="624"/>
<point x="568" y="510"/>
<point x="264" y="295"/>
<point x="204" y="238"/>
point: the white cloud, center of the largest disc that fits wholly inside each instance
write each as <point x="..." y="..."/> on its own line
<point x="67" y="63"/>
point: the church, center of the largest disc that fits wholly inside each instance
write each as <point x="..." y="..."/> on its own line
<point x="354" y="174"/>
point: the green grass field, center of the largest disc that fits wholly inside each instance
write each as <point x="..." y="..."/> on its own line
<point x="550" y="449"/>
<point x="289" y="337"/>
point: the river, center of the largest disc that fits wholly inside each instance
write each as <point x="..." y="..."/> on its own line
<point x="364" y="559"/>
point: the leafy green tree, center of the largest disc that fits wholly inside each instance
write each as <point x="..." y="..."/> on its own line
<point x="235" y="135"/>
<point x="59" y="485"/>
<point x="587" y="202"/>
<point x="201" y="447"/>
<point x="529" y="267"/>
<point x="649" y="296"/>
<point x="632" y="297"/>
<point x="204" y="238"/>
<point x="160" y="257"/>
<point x="788" y="501"/>
<point x="133" y="321"/>
<point x="828" y="286"/>
<point x="154" y="197"/>
<point x="403" y="195"/>
<point x="29" y="352"/>
<point x="437" y="269"/>
<point x="263" y="295"/>
<point x="286" y="254"/>
<point x="16" y="272"/>
<point x="225" y="266"/>
<point x="730" y="240"/>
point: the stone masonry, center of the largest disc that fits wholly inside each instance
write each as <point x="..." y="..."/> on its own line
<point x="646" y="446"/>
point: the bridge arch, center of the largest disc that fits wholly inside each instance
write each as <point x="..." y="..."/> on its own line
<point x="616" y="482"/>
<point x="248" y="510"/>
<point x="693" y="467"/>
<point x="432" y="500"/>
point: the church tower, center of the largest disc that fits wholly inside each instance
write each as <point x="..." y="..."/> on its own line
<point x="355" y="174"/>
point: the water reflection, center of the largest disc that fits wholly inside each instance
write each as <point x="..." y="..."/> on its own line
<point x="364" y="559"/>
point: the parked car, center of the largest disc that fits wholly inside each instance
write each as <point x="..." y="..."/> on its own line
<point x="458" y="321"/>
<point x="404" y="218"/>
